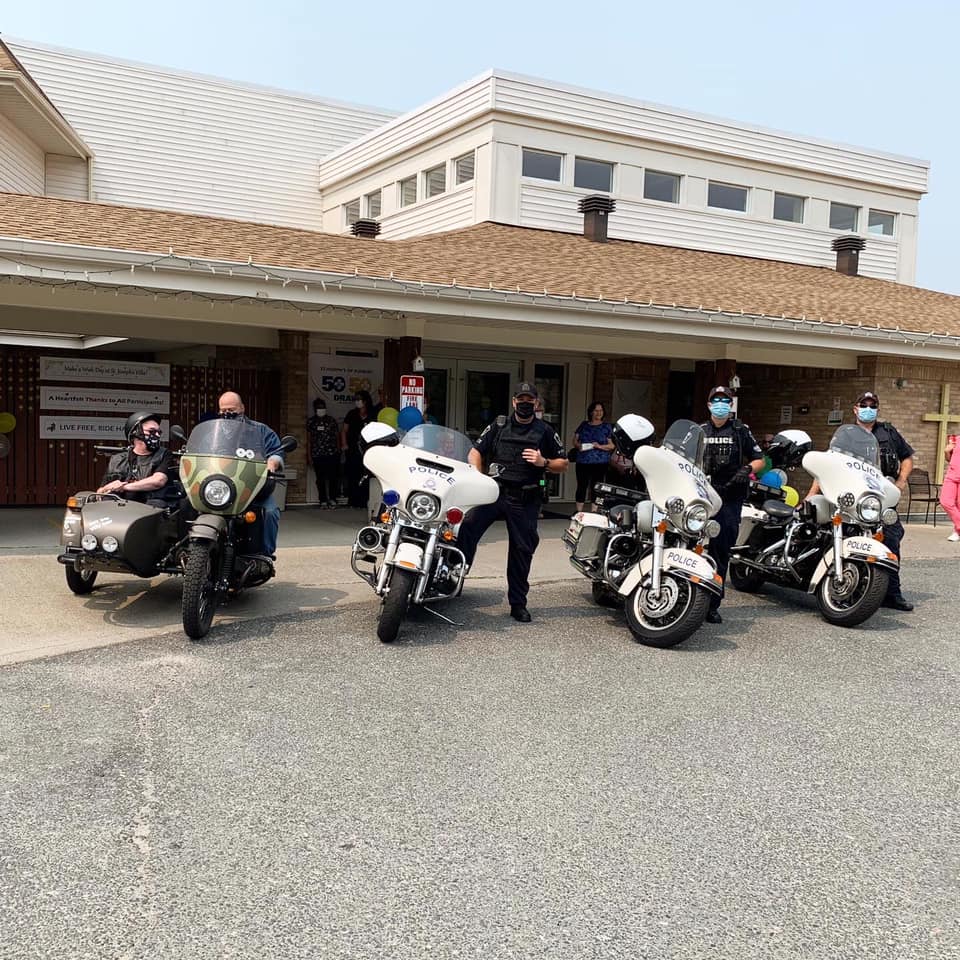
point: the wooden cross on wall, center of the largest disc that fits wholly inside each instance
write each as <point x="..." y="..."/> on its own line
<point x="942" y="418"/>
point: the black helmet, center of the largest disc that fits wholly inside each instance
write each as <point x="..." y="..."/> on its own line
<point x="632" y="432"/>
<point x="132" y="429"/>
<point x="787" y="448"/>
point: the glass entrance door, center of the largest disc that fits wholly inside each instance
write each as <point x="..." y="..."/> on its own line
<point x="485" y="392"/>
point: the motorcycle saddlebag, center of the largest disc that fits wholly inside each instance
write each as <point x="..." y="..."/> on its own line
<point x="586" y="536"/>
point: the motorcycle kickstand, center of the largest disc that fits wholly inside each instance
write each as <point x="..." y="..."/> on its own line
<point x="453" y="623"/>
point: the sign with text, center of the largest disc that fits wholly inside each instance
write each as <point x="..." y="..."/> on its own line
<point x="87" y="428"/>
<point x="412" y="391"/>
<point x="336" y="380"/>
<point x="104" y="371"/>
<point x="90" y="398"/>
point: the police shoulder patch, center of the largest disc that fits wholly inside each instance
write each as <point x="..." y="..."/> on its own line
<point x="501" y="421"/>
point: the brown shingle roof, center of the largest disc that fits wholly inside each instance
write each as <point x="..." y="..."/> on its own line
<point x="503" y="257"/>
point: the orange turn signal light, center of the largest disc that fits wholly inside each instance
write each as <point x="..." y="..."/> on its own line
<point x="837" y="519"/>
<point x="384" y="517"/>
<point x="878" y="536"/>
<point x="73" y="503"/>
<point x="249" y="517"/>
<point x="698" y="548"/>
<point x="448" y="535"/>
<point x="662" y="526"/>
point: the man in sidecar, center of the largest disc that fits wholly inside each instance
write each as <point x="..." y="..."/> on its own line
<point x="146" y="471"/>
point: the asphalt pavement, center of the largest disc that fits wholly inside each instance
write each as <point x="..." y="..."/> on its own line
<point x="773" y="788"/>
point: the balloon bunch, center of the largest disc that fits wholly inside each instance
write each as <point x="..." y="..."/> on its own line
<point x="402" y="420"/>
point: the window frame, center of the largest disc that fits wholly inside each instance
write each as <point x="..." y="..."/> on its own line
<point x="883" y="213"/>
<point x="346" y="212"/>
<point x="677" y="177"/>
<point x="415" y="180"/>
<point x="367" y="211"/>
<point x="792" y="196"/>
<point x="542" y="153"/>
<point x="605" y="163"/>
<point x="856" y="217"/>
<point x="440" y="168"/>
<point x="734" y="186"/>
<point x="472" y="156"/>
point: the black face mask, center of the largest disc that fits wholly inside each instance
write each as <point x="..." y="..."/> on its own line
<point x="230" y="415"/>
<point x="152" y="442"/>
<point x="525" y="409"/>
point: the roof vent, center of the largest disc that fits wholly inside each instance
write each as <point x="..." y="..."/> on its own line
<point x="368" y="229"/>
<point x="595" y="210"/>
<point x="848" y="253"/>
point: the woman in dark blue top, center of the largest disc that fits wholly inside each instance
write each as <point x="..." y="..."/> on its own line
<point x="594" y="443"/>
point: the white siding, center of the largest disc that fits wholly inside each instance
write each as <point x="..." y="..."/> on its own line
<point x="449" y="212"/>
<point x="556" y="209"/>
<point x="197" y="144"/>
<point x="21" y="161"/>
<point x="66" y="177"/>
<point x="550" y="102"/>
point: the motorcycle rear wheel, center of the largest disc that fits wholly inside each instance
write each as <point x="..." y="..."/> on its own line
<point x="744" y="578"/>
<point x="80" y="581"/>
<point x="683" y="605"/>
<point x="199" y="591"/>
<point x="603" y="596"/>
<point x="857" y="599"/>
<point x="395" y="604"/>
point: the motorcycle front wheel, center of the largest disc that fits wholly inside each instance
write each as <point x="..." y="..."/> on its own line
<point x="395" y="604"/>
<point x="199" y="591"/>
<point x="856" y="598"/>
<point x="670" y="618"/>
<point x="80" y="581"/>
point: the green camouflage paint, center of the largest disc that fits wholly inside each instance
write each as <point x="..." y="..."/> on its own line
<point x="248" y="476"/>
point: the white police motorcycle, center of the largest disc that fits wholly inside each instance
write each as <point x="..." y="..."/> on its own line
<point x="409" y="552"/>
<point x="831" y="545"/>
<point x="647" y="550"/>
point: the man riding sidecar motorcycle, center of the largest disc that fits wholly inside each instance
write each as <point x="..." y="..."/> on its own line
<point x="145" y="471"/>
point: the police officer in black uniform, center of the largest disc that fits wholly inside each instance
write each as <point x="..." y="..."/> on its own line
<point x="896" y="464"/>
<point x="517" y="451"/>
<point x="145" y="471"/>
<point x="732" y="455"/>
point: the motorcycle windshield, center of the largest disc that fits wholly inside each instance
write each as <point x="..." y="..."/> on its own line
<point x="685" y="438"/>
<point x="441" y="441"/>
<point x="854" y="441"/>
<point x="226" y="438"/>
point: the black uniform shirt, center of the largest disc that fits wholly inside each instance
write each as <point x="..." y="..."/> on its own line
<point x="504" y="444"/>
<point x="129" y="466"/>
<point x="729" y="447"/>
<point x="893" y="449"/>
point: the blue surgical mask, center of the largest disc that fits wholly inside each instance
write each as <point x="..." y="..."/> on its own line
<point x="720" y="408"/>
<point x="866" y="414"/>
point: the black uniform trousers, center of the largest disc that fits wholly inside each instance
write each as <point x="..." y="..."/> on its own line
<point x="520" y="510"/>
<point x="892" y="535"/>
<point x="719" y="546"/>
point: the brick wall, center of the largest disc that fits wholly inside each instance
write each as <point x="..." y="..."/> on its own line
<point x="657" y="372"/>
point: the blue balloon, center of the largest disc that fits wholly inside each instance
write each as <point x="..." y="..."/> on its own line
<point x="408" y="418"/>
<point x="772" y="479"/>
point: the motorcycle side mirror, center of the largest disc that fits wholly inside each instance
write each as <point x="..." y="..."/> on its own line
<point x="288" y="443"/>
<point x="176" y="432"/>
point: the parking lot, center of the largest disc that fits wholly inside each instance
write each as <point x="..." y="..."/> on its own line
<point x="775" y="787"/>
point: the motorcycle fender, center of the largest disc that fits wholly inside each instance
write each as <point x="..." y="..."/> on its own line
<point x="207" y="526"/>
<point x="409" y="556"/>
<point x="682" y="563"/>
<point x="855" y="548"/>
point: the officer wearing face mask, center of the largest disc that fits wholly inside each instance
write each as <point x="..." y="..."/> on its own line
<point x="517" y="452"/>
<point x="896" y="464"/>
<point x="732" y="454"/>
<point x="145" y="471"/>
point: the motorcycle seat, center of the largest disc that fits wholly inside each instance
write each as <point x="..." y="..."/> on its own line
<point x="777" y="509"/>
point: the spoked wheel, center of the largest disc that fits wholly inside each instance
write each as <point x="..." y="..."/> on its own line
<point x="744" y="578"/>
<point x="603" y="596"/>
<point x="671" y="617"/>
<point x="199" y="591"/>
<point x="395" y="604"/>
<point x="80" y="581"/>
<point x="856" y="598"/>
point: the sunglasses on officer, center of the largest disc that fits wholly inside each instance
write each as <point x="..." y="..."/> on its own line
<point x="868" y="403"/>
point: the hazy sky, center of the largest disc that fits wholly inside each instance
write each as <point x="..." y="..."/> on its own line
<point x="877" y="74"/>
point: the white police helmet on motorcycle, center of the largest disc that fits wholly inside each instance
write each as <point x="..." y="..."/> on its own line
<point x="631" y="432"/>
<point x="378" y="434"/>
<point x="787" y="448"/>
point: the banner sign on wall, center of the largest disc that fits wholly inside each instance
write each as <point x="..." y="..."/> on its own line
<point x="336" y="380"/>
<point x="90" y="398"/>
<point x="88" y="428"/>
<point x="104" y="371"/>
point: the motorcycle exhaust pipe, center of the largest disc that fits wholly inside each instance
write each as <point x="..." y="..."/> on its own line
<point x="371" y="539"/>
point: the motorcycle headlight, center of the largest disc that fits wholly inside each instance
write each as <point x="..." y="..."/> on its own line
<point x="110" y="544"/>
<point x="846" y="500"/>
<point x="889" y="516"/>
<point x="869" y="508"/>
<point x="217" y="492"/>
<point x="423" y="507"/>
<point x="88" y="541"/>
<point x="694" y="518"/>
<point x="713" y="529"/>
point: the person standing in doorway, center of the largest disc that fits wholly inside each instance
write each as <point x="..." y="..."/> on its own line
<point x="896" y="464"/>
<point x="323" y="433"/>
<point x="517" y="451"/>
<point x="594" y="444"/>
<point x="950" y="491"/>
<point x="353" y="423"/>
<point x="732" y="454"/>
